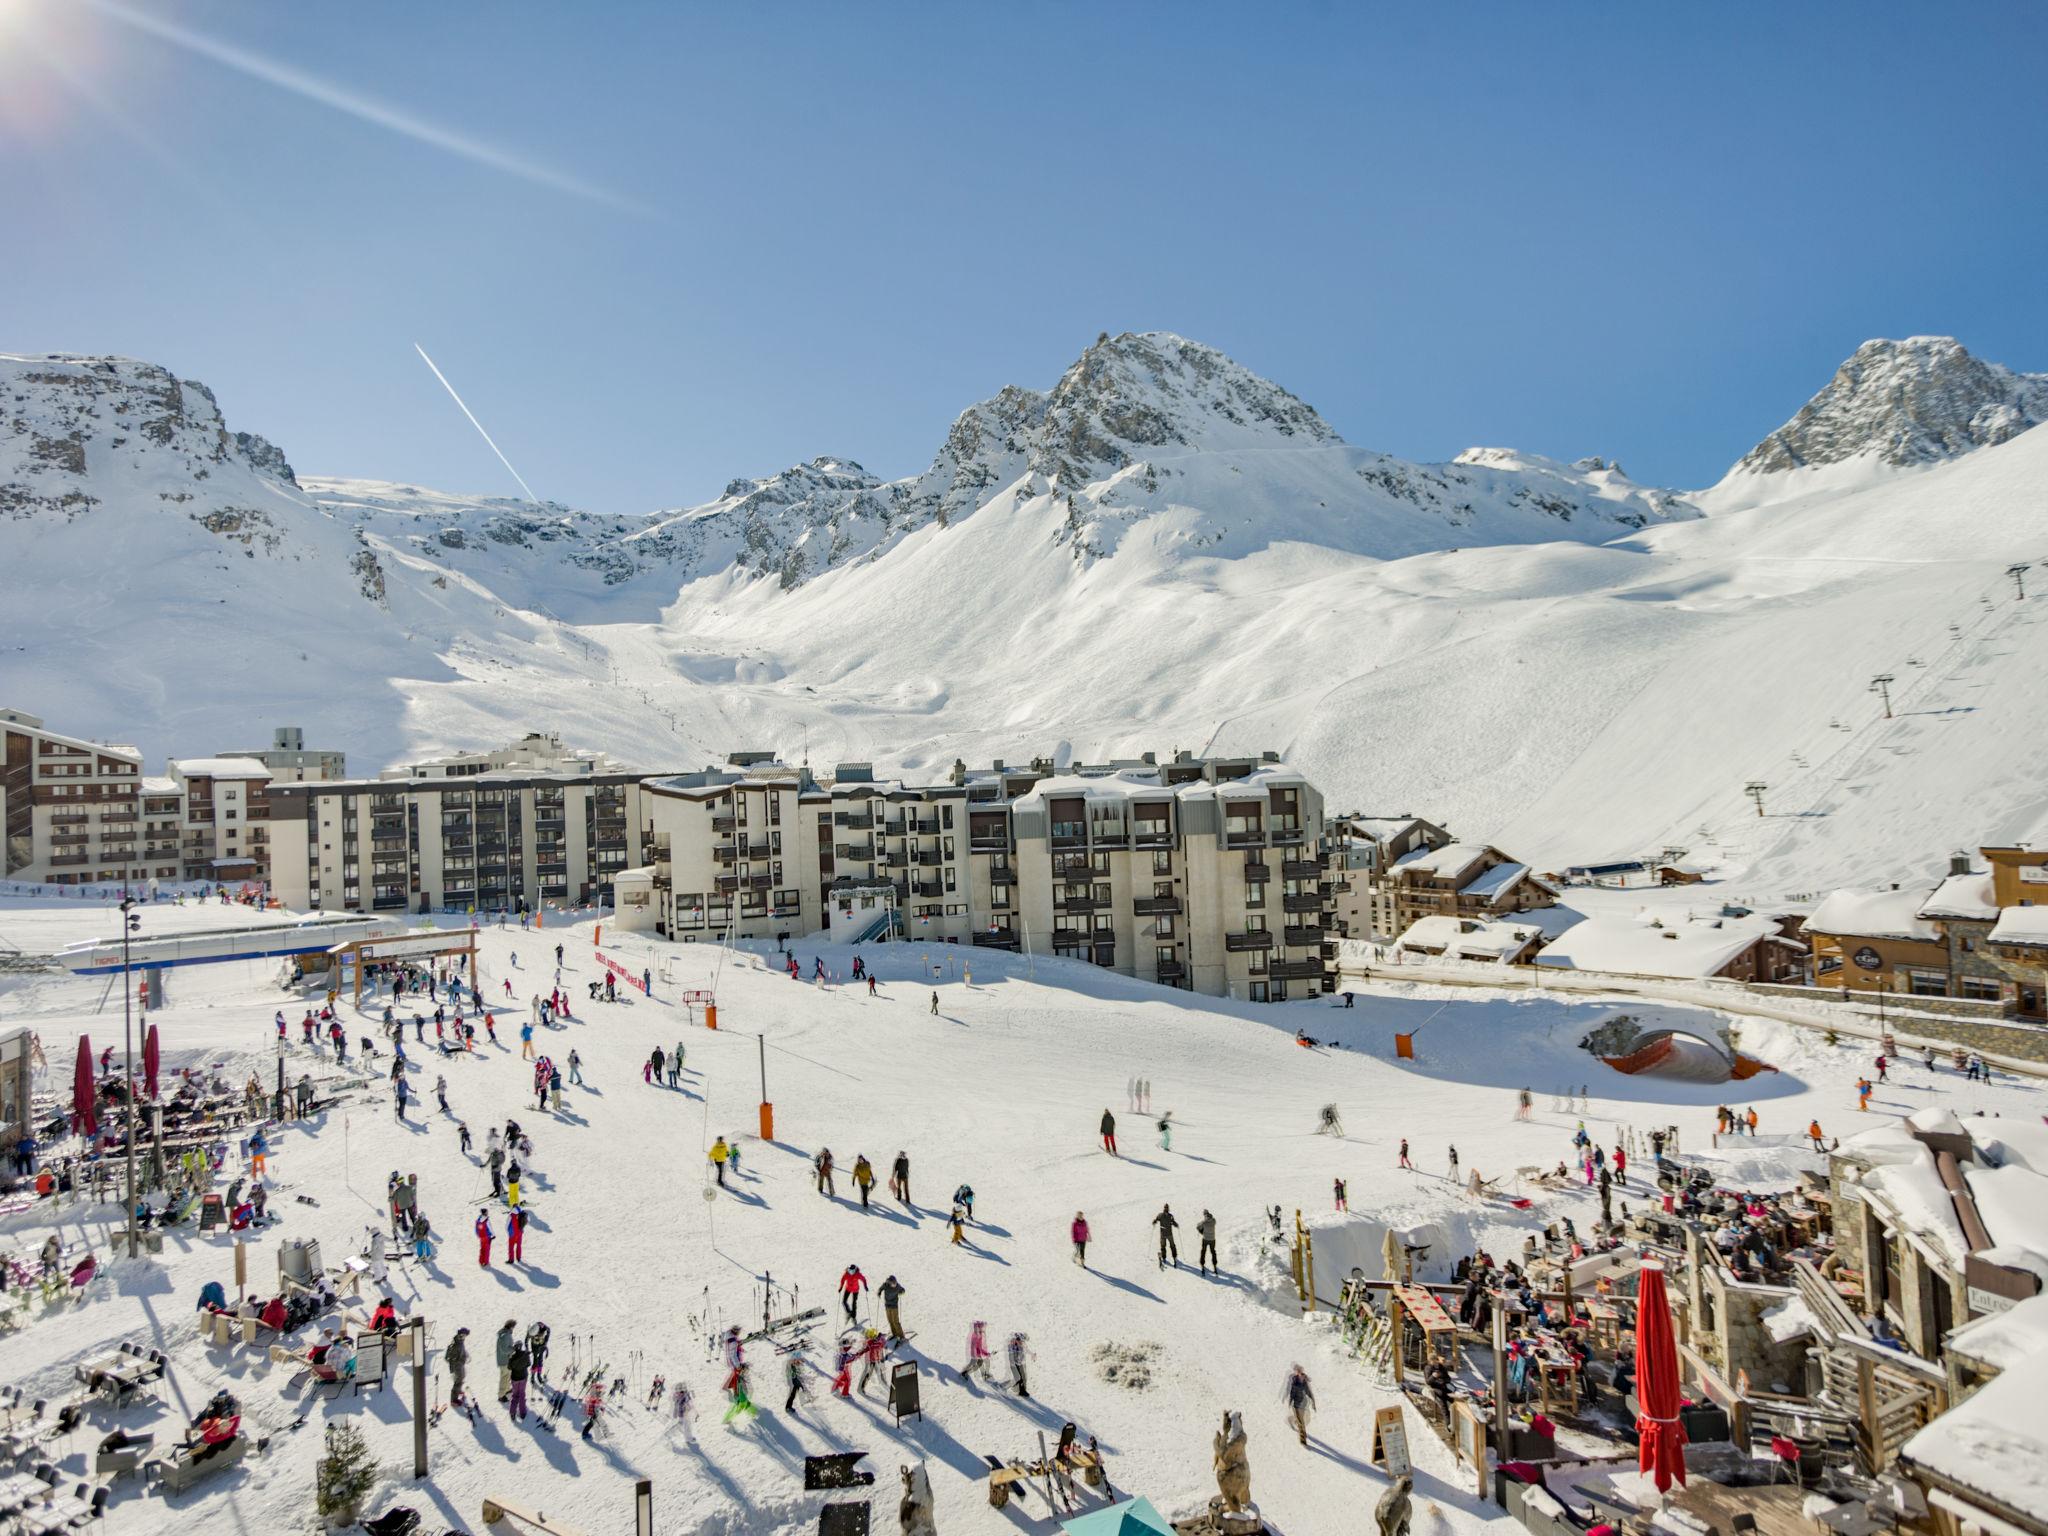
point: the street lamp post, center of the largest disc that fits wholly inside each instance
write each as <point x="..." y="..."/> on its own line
<point x="130" y="921"/>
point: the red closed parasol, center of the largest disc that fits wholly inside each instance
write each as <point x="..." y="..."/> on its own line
<point x="84" y="1092"/>
<point x="149" y="1061"/>
<point x="1661" y="1448"/>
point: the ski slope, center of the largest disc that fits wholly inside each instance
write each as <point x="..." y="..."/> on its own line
<point x="1001" y="1088"/>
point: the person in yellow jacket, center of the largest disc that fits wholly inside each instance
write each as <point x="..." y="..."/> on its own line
<point x="719" y="1153"/>
<point x="863" y="1178"/>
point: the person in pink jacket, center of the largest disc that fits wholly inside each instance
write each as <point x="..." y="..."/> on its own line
<point x="1079" y="1232"/>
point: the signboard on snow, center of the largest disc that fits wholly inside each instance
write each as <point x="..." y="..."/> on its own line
<point x="1390" y="1441"/>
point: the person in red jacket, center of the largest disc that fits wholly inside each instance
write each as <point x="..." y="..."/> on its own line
<point x="851" y="1284"/>
<point x="1079" y="1232"/>
<point x="483" y="1238"/>
<point x="515" y="1236"/>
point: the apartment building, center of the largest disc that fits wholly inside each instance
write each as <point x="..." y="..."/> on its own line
<point x="1362" y="849"/>
<point x="291" y="761"/>
<point x="1200" y="873"/>
<point x="71" y="809"/>
<point x="537" y="752"/>
<point x="1473" y="880"/>
<point x="487" y="841"/>
<point x="223" y="817"/>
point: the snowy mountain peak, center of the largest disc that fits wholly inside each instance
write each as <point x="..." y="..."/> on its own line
<point x="1143" y="392"/>
<point x="1909" y="402"/>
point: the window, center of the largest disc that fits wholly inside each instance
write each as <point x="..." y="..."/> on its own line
<point x="1163" y="890"/>
<point x="1255" y="895"/>
<point x="1101" y="863"/>
<point x="227" y="816"/>
<point x="999" y="896"/>
<point x="1164" y="955"/>
<point x="1162" y="862"/>
<point x="1255" y="923"/>
<point x="1258" y="991"/>
<point x="1982" y="988"/>
<point x="1927" y="983"/>
<point x="1165" y="926"/>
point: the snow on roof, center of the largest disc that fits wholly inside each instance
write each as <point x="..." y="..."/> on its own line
<point x="1382" y="828"/>
<point x="1872" y="915"/>
<point x="2013" y="1141"/>
<point x="1450" y="862"/>
<point x="1996" y="1443"/>
<point x="1468" y="938"/>
<point x="1935" y="1120"/>
<point x="2021" y="925"/>
<point x="1640" y="946"/>
<point x="2013" y="1201"/>
<point x="220" y="768"/>
<point x="1961" y="896"/>
<point x="159" y="784"/>
<point x="1492" y="883"/>
<point x="2007" y="1338"/>
<point x="1789" y="1319"/>
<point x="1913" y="1188"/>
<point x="1145" y="784"/>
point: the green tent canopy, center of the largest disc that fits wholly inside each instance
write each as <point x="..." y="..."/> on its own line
<point x="1133" y="1517"/>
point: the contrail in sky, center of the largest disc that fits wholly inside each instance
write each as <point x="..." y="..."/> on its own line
<point x="364" y="108"/>
<point x="475" y="423"/>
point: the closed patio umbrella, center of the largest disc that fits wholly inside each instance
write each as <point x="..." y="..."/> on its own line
<point x="1661" y="1451"/>
<point x="84" y="1092"/>
<point x="149" y="1061"/>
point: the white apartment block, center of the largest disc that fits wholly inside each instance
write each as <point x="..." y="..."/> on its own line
<point x="487" y="841"/>
<point x="291" y="761"/>
<point x="538" y="753"/>
<point x="71" y="809"/>
<point x="1204" y="873"/>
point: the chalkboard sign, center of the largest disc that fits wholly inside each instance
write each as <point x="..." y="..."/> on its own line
<point x="1390" y="1441"/>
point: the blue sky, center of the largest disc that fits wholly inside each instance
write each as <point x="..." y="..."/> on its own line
<point x="657" y="246"/>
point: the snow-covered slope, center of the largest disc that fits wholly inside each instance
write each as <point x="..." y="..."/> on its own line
<point x="1162" y="550"/>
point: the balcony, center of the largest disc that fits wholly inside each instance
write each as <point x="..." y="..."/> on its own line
<point x="1171" y="971"/>
<point x="927" y="888"/>
<point x="893" y="859"/>
<point x="928" y="828"/>
<point x="1301" y="869"/>
<point x="996" y="938"/>
<point x="855" y="821"/>
<point x="1244" y="837"/>
<point x="1302" y="937"/>
<point x="108" y="818"/>
<point x="1079" y="904"/>
<point x="759" y="882"/>
<point x="728" y="882"/>
<point x="1302" y="901"/>
<point x="1243" y="941"/>
<point x="1295" y="970"/>
<point x="863" y="851"/>
<point x="1155" y="906"/>
<point x="59" y="860"/>
<point x="989" y="843"/>
<point x="1257" y="871"/>
<point x="1070" y="840"/>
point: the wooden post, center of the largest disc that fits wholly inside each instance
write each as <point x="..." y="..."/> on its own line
<point x="419" y="1396"/>
<point x="1394" y="1320"/>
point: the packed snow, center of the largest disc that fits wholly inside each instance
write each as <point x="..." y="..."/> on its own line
<point x="987" y="1070"/>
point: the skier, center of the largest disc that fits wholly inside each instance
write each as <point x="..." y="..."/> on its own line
<point x="1206" y="1230"/>
<point x="842" y="1366"/>
<point x="1079" y="1232"/>
<point x="798" y="1387"/>
<point x="863" y="1177"/>
<point x="978" y="1352"/>
<point x="1109" y="1133"/>
<point x="483" y="1238"/>
<point x="675" y="1064"/>
<point x="1016" y="1351"/>
<point x="1402" y="1160"/>
<point x="441" y="1092"/>
<point x="537" y="1335"/>
<point x="1166" y="1131"/>
<point x="899" y="1177"/>
<point x="851" y="1284"/>
<point x="964" y="1198"/>
<point x="515" y="1236"/>
<point x="1882" y="1063"/>
<point x="1338" y="1191"/>
<point x="518" y="1366"/>
<point x="959" y="1237"/>
<point x="575" y="1066"/>
<point x="823" y="1168"/>
<point x="891" y="1292"/>
<point x="1300" y="1400"/>
<point x="506" y="1341"/>
<point x="1454" y="1164"/>
<point x="1863" y="1091"/>
<point x="1167" y="1222"/>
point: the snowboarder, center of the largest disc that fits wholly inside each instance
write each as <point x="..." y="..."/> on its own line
<point x="1109" y="1133"/>
<point x="1079" y="1233"/>
<point x="1300" y="1400"/>
<point x="1167" y="1222"/>
<point x="1206" y="1230"/>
